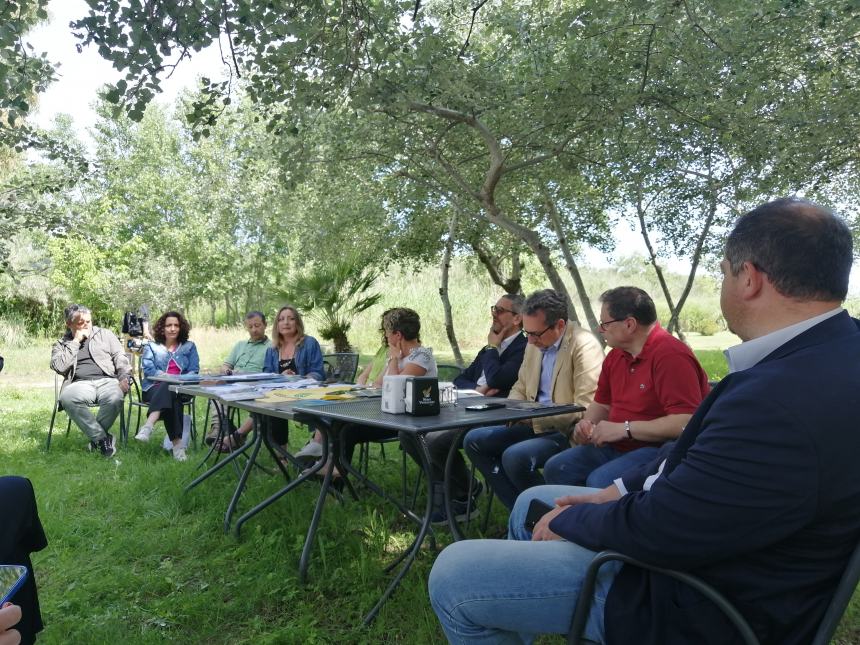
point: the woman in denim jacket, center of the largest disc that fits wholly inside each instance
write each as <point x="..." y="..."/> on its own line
<point x="171" y="353"/>
<point x="293" y="354"/>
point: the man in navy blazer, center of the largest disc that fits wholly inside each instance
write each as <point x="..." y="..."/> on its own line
<point x="758" y="496"/>
<point x="495" y="368"/>
<point x="493" y="373"/>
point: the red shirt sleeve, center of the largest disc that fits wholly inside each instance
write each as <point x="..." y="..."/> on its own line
<point x="679" y="382"/>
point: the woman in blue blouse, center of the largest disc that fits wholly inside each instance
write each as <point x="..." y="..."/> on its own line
<point x="171" y="353"/>
<point x="292" y="353"/>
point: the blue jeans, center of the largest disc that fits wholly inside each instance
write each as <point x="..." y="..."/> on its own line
<point x="593" y="466"/>
<point x="507" y="591"/>
<point x="509" y="457"/>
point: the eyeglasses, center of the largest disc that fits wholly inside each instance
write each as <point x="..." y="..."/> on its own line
<point x="501" y="310"/>
<point x="536" y="334"/>
<point x="603" y="324"/>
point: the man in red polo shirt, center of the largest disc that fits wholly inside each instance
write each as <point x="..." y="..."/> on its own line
<point x="649" y="386"/>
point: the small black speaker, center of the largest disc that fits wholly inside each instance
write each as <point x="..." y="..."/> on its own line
<point x="422" y="396"/>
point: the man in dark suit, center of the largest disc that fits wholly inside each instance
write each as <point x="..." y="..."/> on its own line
<point x="492" y="373"/>
<point x="495" y="368"/>
<point x="758" y="496"/>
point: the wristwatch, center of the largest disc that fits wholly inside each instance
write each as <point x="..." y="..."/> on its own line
<point x="489" y="346"/>
<point x="627" y="430"/>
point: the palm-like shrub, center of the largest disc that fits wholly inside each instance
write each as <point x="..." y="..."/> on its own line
<point x="333" y="294"/>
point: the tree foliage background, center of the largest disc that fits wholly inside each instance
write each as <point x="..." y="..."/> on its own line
<point x="424" y="132"/>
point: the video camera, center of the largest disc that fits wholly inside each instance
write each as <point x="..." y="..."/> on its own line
<point x="135" y="329"/>
<point x="136" y="344"/>
<point x="132" y="324"/>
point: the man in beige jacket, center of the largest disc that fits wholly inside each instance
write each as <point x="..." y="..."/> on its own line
<point x="561" y="364"/>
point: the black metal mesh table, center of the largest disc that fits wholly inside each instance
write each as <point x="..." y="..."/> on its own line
<point x="335" y="418"/>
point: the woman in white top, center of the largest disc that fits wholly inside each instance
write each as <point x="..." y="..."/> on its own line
<point x="406" y="356"/>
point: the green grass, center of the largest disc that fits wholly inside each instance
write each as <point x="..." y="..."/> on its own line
<point x="133" y="559"/>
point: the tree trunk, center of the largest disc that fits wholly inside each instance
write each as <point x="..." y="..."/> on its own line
<point x="697" y="256"/>
<point x="212" y="310"/>
<point x="443" y="291"/>
<point x="652" y="256"/>
<point x="341" y="341"/>
<point x="513" y="284"/>
<point x="485" y="195"/>
<point x="572" y="268"/>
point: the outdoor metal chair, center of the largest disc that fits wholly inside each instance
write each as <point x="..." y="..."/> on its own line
<point x="826" y="628"/>
<point x="136" y="402"/>
<point x="58" y="407"/>
<point x="448" y="372"/>
<point x="341" y="367"/>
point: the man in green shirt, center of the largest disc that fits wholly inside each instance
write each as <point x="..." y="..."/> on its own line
<point x="246" y="356"/>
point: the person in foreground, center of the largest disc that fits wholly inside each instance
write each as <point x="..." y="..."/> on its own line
<point x="758" y="496"/>
<point x="95" y="372"/>
<point x="21" y="534"/>
<point x="171" y="353"/>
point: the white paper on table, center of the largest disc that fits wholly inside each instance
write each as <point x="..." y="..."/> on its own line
<point x="468" y="392"/>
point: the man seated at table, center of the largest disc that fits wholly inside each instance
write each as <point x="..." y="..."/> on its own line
<point x="493" y="373"/>
<point x="649" y="387"/>
<point x="95" y="372"/>
<point x="759" y="496"/>
<point x="247" y="356"/>
<point x="561" y="365"/>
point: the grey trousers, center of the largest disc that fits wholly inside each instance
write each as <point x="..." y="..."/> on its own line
<point x="77" y="398"/>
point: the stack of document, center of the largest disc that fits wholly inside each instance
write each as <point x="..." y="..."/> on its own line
<point x="286" y="395"/>
<point x="250" y="391"/>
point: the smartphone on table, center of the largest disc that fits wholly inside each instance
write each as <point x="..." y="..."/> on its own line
<point x="480" y="407"/>
<point x="12" y="576"/>
<point x="537" y="509"/>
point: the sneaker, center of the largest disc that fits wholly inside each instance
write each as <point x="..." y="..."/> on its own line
<point x="212" y="435"/>
<point x="312" y="450"/>
<point x="106" y="446"/>
<point x="179" y="453"/>
<point x="144" y="433"/>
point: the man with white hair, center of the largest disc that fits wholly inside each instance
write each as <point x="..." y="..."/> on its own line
<point x="96" y="373"/>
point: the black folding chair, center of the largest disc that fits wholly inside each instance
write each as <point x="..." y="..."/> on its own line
<point x="448" y="372"/>
<point x="136" y="402"/>
<point x="58" y="407"/>
<point x="826" y="628"/>
<point x="341" y="367"/>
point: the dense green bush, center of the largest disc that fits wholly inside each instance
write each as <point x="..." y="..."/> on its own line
<point x="701" y="320"/>
<point x="13" y="332"/>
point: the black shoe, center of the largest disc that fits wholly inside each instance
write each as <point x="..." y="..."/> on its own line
<point x="462" y="510"/>
<point x="106" y="446"/>
<point x="440" y="517"/>
<point x="477" y="489"/>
